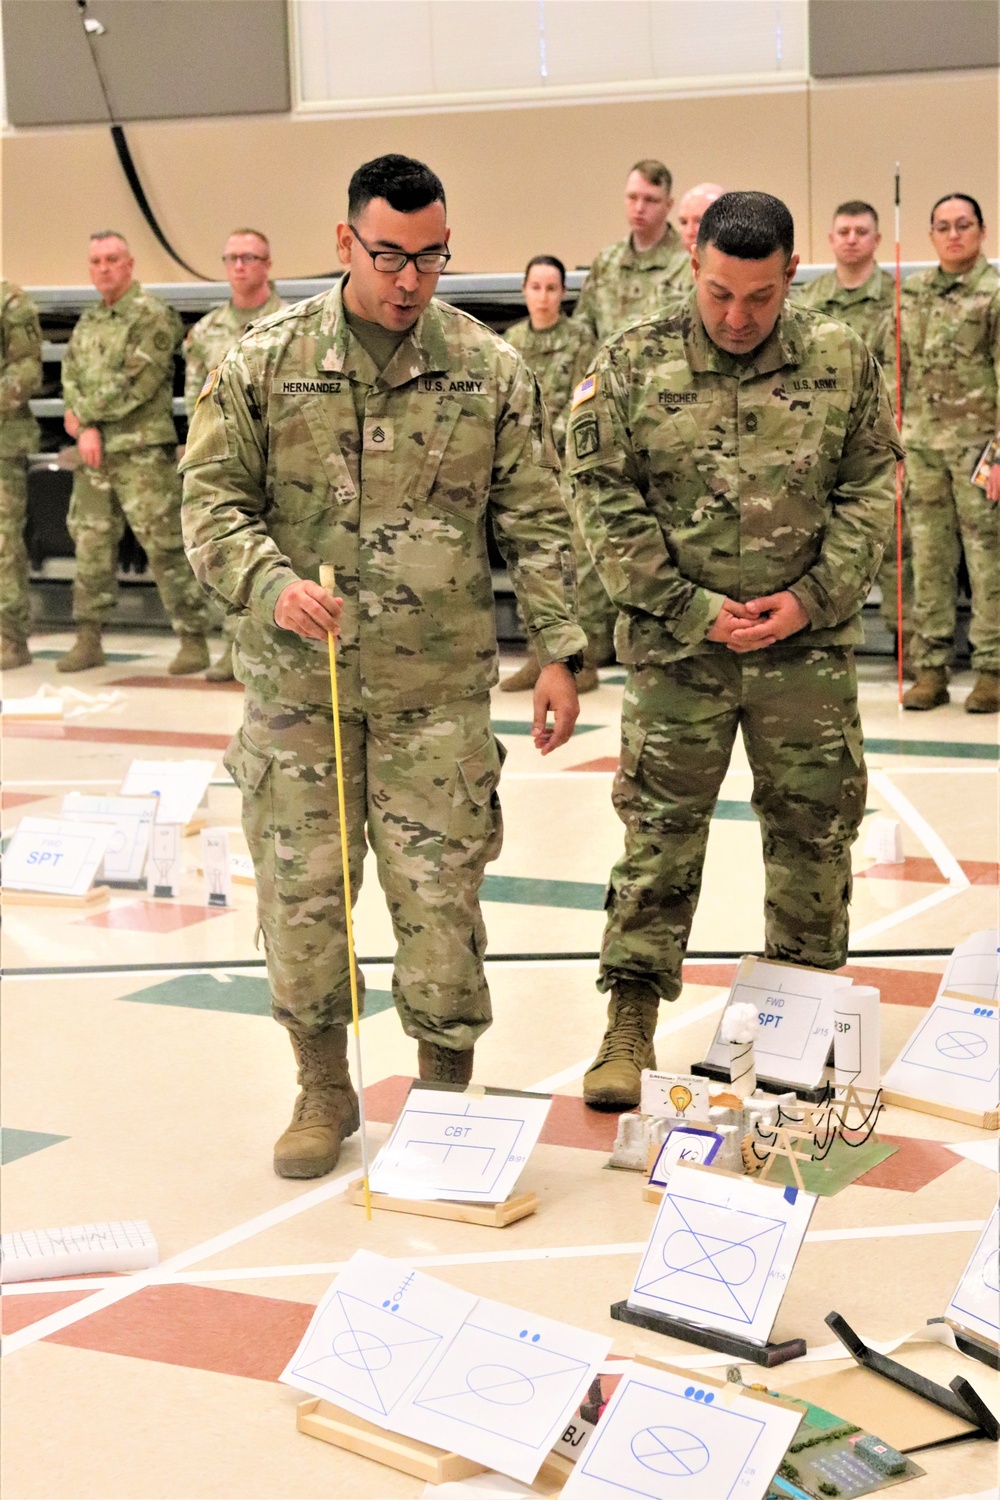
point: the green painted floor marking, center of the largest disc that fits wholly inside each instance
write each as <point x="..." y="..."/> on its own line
<point x="17" y="1143"/>
<point x="518" y="890"/>
<point x="240" y="994"/>
<point x="934" y="749"/>
<point x="109" y="656"/>
<point x="523" y="726"/>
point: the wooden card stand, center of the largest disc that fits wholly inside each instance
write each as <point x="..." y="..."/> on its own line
<point x="983" y="1120"/>
<point x="332" y="1424"/>
<point x="492" y="1215"/>
<point x="744" y="1350"/>
<point x="96" y="896"/>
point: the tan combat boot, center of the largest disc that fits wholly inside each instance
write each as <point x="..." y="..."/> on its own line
<point x="222" y="670"/>
<point x="13" y="653"/>
<point x="930" y="689"/>
<point x="86" y="651"/>
<point x="192" y="657"/>
<point x="438" y="1064"/>
<point x="326" y="1111"/>
<point x="524" y="678"/>
<point x="985" y="695"/>
<point x="613" y="1081"/>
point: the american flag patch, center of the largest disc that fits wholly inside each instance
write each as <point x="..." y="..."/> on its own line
<point x="584" y="391"/>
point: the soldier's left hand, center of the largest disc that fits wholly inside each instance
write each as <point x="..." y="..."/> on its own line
<point x="778" y="616"/>
<point x="88" y="443"/>
<point x="993" y="483"/>
<point x="555" y="690"/>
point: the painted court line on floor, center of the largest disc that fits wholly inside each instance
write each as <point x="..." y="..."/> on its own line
<point x="918" y="825"/>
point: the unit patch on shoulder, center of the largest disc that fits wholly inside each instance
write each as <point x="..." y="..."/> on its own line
<point x="208" y="387"/>
<point x="586" y="439"/>
<point x="584" y="391"/>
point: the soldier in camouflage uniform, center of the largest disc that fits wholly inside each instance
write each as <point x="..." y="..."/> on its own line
<point x="371" y="428"/>
<point x="732" y="468"/>
<point x="118" y="391"/>
<point x="555" y="349"/>
<point x="247" y="259"/>
<point x="862" y="295"/>
<point x="20" y="378"/>
<point x="951" y="356"/>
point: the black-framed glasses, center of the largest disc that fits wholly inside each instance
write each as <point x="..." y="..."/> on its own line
<point x="246" y="259"/>
<point x="426" y="261"/>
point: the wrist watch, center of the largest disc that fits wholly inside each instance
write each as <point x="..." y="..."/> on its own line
<point x="574" y="663"/>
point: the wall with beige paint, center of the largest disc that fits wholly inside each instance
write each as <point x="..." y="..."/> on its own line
<point x="519" y="180"/>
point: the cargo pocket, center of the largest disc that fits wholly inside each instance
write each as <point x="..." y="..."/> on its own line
<point x="625" y="792"/>
<point x="476" y="823"/>
<point x="854" y="779"/>
<point x="249" y="767"/>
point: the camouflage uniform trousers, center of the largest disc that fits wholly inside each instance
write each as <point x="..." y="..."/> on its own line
<point x="799" y="715"/>
<point x="424" y="784"/>
<point x="945" y="512"/>
<point x="142" y="485"/>
<point x="14" y="612"/>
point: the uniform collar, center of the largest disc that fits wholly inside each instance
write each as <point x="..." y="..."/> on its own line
<point x="945" y="280"/>
<point x="870" y="290"/>
<point x="662" y="254"/>
<point x="124" y="303"/>
<point x="424" y="351"/>
<point x="784" y="346"/>
<point x="554" y="336"/>
<point x="251" y="314"/>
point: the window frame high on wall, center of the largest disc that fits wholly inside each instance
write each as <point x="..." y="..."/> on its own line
<point x="786" y="20"/>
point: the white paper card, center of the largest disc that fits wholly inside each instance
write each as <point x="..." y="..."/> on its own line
<point x="974" y="967"/>
<point x="77" y="1250"/>
<point x="686" y="1143"/>
<point x="667" y="1436"/>
<point x="55" y="857"/>
<point x="131" y="820"/>
<point x="179" y="784"/>
<point x="674" y="1094"/>
<point x="795" y="1006"/>
<point x="721" y="1251"/>
<point x="976" y="1303"/>
<point x="450" y="1144"/>
<point x="953" y="1057"/>
<point x="215" y="863"/>
<point x="856" y="1030"/>
<point x="504" y="1389"/>
<point x="165" y="858"/>
<point x="417" y="1356"/>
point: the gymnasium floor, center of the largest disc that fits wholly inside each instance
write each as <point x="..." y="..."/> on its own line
<point x="142" y="1080"/>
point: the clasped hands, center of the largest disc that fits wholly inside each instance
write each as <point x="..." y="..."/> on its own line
<point x="88" y="440"/>
<point x="311" y="611"/>
<point x="759" y="622"/>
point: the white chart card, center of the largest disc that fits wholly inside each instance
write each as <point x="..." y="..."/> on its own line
<point x="974" y="966"/>
<point x="131" y="819"/>
<point x="505" y="1388"/>
<point x="452" y="1144"/>
<point x="795" y="1006"/>
<point x="721" y="1251"/>
<point x="54" y="857"/>
<point x="668" y="1435"/>
<point x="976" y="1303"/>
<point x="953" y="1056"/>
<point x="376" y="1331"/>
<point x="179" y="784"/>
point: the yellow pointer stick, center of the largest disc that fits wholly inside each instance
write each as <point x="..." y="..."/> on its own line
<point x="327" y="581"/>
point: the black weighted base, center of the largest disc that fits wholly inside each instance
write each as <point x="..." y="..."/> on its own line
<point x="987" y="1354"/>
<point x="765" y="1085"/>
<point x="709" y="1338"/>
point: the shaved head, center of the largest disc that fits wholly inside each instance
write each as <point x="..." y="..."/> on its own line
<point x="692" y="206"/>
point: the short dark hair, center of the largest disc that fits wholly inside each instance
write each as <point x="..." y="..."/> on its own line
<point x="405" y="184"/>
<point x="546" y="260"/>
<point x="965" y="198"/>
<point x="854" y="207"/>
<point x="654" y="171"/>
<point x="750" y="226"/>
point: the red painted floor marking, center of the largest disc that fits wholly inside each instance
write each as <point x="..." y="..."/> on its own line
<point x="913" y="1166"/>
<point x="198" y="684"/>
<point x="18" y="1312"/>
<point x="152" y="916"/>
<point x="603" y="763"/>
<point x="21" y="799"/>
<point x="897" y="986"/>
<point x="182" y="739"/>
<point x="926" y="872"/>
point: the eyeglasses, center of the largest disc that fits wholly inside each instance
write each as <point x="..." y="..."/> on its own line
<point x="426" y="261"/>
<point x="242" y="260"/>
<point x="961" y="226"/>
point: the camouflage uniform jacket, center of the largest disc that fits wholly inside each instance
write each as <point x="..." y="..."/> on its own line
<point x="951" y="355"/>
<point x="870" y="309"/>
<point x="118" y="373"/>
<point x="558" y="358"/>
<point x="697" y="476"/>
<point x="211" y="338"/>
<point x="20" y="370"/>
<point x="279" y="479"/>
<point x="625" y="285"/>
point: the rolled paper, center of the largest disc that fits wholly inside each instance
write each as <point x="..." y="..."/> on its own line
<point x="856" y="1037"/>
<point x="742" y="1068"/>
